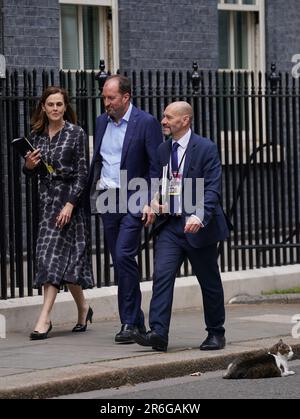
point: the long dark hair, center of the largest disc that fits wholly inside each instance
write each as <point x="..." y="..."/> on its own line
<point x="39" y="119"/>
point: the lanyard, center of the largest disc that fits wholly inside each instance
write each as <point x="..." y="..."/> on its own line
<point x="51" y="153"/>
<point x="177" y="173"/>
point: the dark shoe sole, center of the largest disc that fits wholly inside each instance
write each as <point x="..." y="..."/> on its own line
<point x="160" y="348"/>
<point x="211" y="349"/>
<point x="124" y="341"/>
<point x="216" y="348"/>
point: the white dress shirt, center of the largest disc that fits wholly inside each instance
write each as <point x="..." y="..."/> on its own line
<point x="181" y="152"/>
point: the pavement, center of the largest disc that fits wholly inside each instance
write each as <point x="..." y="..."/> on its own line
<point x="68" y="363"/>
<point x="20" y="314"/>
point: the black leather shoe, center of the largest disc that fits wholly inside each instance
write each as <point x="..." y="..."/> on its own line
<point x="151" y="338"/>
<point x="125" y="334"/>
<point x="213" y="342"/>
<point x="82" y="327"/>
<point x="35" y="335"/>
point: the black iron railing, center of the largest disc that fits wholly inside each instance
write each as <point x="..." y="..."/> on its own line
<point x="253" y="118"/>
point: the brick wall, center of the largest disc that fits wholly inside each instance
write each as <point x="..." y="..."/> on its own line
<point x="282" y="32"/>
<point x="157" y="34"/>
<point x="168" y="34"/>
<point x="31" y="33"/>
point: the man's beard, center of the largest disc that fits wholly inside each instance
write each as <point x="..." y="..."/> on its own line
<point x="166" y="131"/>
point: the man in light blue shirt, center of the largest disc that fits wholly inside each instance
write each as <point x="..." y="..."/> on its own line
<point x="126" y="141"/>
<point x="111" y="151"/>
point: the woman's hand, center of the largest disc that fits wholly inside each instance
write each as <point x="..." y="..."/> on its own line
<point x="32" y="159"/>
<point x="64" y="216"/>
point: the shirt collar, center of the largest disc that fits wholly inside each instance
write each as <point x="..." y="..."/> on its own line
<point x="183" y="141"/>
<point x="128" y="113"/>
<point x="125" y="117"/>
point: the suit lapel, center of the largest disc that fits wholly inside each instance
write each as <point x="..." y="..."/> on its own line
<point x="166" y="152"/>
<point x="131" y="129"/>
<point x="100" y="130"/>
<point x="99" y="135"/>
<point x="189" y="154"/>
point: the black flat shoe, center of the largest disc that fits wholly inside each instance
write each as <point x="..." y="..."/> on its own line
<point x="125" y="334"/>
<point x="213" y="343"/>
<point x="82" y="327"/>
<point x="35" y="335"/>
<point x="151" y="338"/>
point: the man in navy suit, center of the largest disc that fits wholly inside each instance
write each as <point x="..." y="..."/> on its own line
<point x="125" y="151"/>
<point x="187" y="232"/>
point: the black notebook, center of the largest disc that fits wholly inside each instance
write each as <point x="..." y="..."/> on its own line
<point x="22" y="145"/>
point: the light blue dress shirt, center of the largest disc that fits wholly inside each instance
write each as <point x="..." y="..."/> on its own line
<point x="111" y="151"/>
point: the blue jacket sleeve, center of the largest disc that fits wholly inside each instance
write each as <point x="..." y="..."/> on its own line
<point x="212" y="182"/>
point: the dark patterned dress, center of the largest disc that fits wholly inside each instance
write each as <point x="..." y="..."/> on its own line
<point x="62" y="254"/>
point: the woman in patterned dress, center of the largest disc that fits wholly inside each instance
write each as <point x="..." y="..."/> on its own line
<point x="62" y="245"/>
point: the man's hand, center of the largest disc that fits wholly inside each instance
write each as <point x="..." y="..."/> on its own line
<point x="193" y="225"/>
<point x="149" y="216"/>
<point x="157" y="207"/>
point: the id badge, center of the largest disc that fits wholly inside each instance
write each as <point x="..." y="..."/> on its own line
<point x="175" y="185"/>
<point x="49" y="168"/>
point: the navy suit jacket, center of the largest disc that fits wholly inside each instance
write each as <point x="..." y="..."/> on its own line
<point x="139" y="152"/>
<point x="201" y="161"/>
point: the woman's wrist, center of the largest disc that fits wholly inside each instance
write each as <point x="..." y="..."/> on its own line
<point x="68" y="204"/>
<point x="26" y="166"/>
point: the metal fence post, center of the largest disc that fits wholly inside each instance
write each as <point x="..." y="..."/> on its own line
<point x="196" y="85"/>
<point x="274" y="79"/>
<point x="101" y="77"/>
<point x="3" y="241"/>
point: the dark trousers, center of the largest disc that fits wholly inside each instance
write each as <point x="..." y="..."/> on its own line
<point x="123" y="232"/>
<point x="171" y="249"/>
